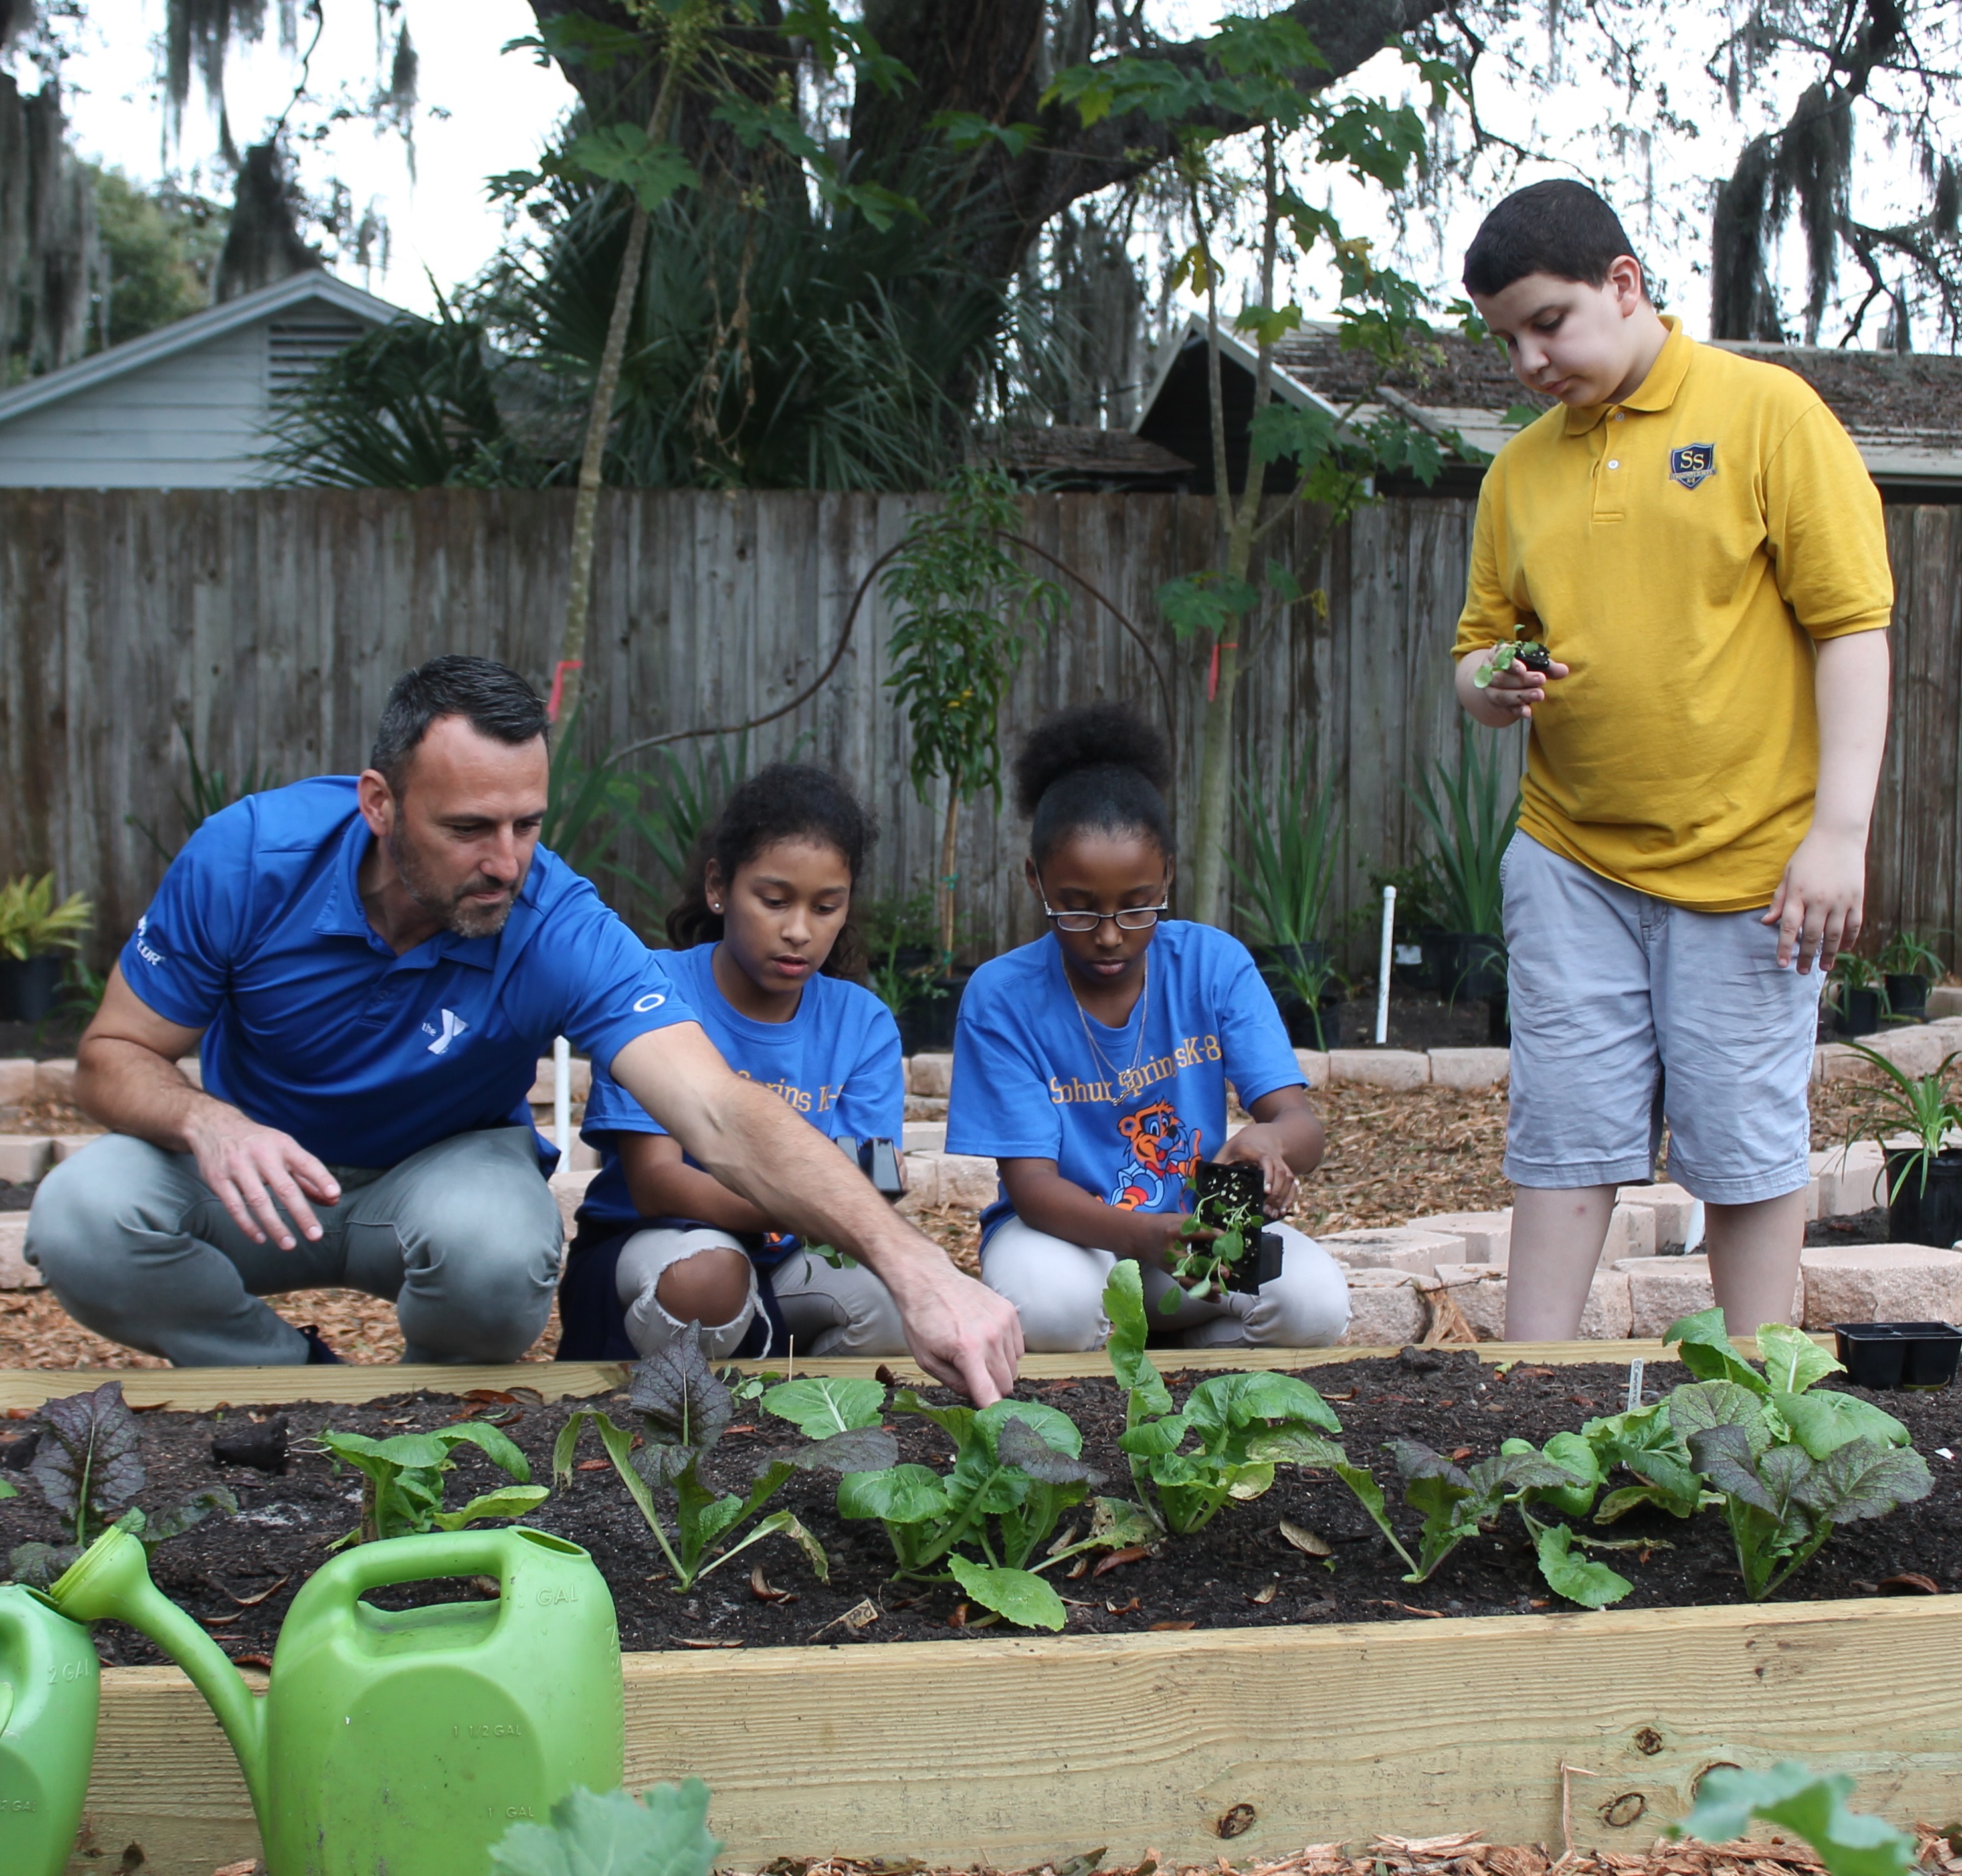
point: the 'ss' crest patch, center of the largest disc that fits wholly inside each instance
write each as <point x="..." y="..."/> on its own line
<point x="1693" y="464"/>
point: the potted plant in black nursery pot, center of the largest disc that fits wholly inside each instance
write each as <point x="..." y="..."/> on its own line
<point x="37" y="936"/>
<point x="1859" y="994"/>
<point x="1908" y="965"/>
<point x="1912" y="1116"/>
<point x="1293" y="843"/>
<point x="1462" y="806"/>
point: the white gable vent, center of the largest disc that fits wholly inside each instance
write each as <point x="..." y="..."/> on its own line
<point x="296" y="348"/>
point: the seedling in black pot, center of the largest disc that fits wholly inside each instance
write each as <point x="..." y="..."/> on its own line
<point x="1230" y="1203"/>
<point x="1528" y="652"/>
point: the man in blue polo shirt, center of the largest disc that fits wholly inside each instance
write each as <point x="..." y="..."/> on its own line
<point x="370" y="968"/>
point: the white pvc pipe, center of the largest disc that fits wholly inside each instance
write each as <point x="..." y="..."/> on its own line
<point x="1383" y="962"/>
<point x="562" y="1100"/>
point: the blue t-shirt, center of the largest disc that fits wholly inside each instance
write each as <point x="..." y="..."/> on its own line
<point x="836" y="1062"/>
<point x="1128" y="1118"/>
<point x="312" y="1024"/>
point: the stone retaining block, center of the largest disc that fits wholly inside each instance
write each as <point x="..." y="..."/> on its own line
<point x="1385" y="1310"/>
<point x="1881" y="1283"/>
<point x="17" y="1080"/>
<point x="1313" y="1067"/>
<point x="1945" y="999"/>
<point x="968" y="1180"/>
<point x="1661" y="1290"/>
<point x="541" y="1094"/>
<point x="1392" y="1247"/>
<point x="1398" y="1068"/>
<point x="67" y="1145"/>
<point x="930" y="1074"/>
<point x="1486" y="1235"/>
<point x="24" y="1157"/>
<point x="1852" y="1180"/>
<point x="15" y="1271"/>
<point x="1671" y="1205"/>
<point x="54" y="1080"/>
<point x="1470" y="1068"/>
<point x="1479" y="1290"/>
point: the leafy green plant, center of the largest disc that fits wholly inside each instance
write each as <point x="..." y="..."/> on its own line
<point x="1294" y="837"/>
<point x="663" y="1833"/>
<point x="1792" y="1466"/>
<point x="1018" y="1467"/>
<point x="1518" y="650"/>
<point x="889" y="926"/>
<point x="1919" y="1104"/>
<point x="1460" y="805"/>
<point x="966" y="607"/>
<point x="404" y="1477"/>
<point x="684" y="1409"/>
<point x="1224" y="1443"/>
<point x="1643" y="1441"/>
<point x="1851" y="971"/>
<point x="33" y="925"/>
<point x="1908" y="955"/>
<point x="1811" y="1805"/>
<point x="1455" y="1504"/>
<point x="211" y="789"/>
<point x="89" y="1468"/>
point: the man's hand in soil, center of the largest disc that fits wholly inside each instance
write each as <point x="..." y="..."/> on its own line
<point x="960" y="1331"/>
<point x="1512" y="694"/>
<point x="127" y="1077"/>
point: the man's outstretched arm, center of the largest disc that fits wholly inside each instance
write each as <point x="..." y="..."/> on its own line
<point x="960" y="1330"/>
<point x="126" y="1076"/>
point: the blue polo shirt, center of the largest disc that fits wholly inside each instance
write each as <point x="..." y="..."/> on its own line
<point x="312" y="1024"/>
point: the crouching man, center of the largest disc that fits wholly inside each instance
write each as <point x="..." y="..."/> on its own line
<point x="373" y="966"/>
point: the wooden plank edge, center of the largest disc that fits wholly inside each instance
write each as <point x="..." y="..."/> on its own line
<point x="196" y="1390"/>
<point x="1042" y="1745"/>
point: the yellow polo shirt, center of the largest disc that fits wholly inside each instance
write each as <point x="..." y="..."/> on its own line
<point x="1682" y="551"/>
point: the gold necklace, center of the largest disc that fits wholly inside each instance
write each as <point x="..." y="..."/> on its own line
<point x="1111" y="1068"/>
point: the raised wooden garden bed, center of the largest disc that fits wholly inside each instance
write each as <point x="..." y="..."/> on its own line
<point x="1244" y="1743"/>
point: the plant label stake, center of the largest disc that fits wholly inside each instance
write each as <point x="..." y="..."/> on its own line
<point x="562" y="1102"/>
<point x="1635" y="1400"/>
<point x="1384" y="960"/>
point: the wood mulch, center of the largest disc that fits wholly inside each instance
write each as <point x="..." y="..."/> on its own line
<point x="1465" y="1854"/>
<point x="1391" y="1156"/>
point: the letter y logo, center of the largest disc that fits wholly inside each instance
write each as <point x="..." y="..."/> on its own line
<point x="453" y="1026"/>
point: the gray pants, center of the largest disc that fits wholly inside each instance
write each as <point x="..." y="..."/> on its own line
<point x="1057" y="1287"/>
<point x="464" y="1237"/>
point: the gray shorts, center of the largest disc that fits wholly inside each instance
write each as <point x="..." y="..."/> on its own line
<point x="1627" y="1011"/>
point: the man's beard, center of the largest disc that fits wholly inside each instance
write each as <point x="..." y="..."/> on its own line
<point x="465" y="920"/>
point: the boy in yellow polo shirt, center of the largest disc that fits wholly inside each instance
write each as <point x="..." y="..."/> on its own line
<point x="1694" y="539"/>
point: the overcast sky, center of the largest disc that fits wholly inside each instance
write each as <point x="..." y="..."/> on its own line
<point x="484" y="111"/>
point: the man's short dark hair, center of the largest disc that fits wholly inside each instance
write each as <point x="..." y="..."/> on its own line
<point x="1559" y="228"/>
<point x="491" y="697"/>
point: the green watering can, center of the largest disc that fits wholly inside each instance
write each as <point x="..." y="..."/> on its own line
<point x="49" y="1684"/>
<point x="402" y="1744"/>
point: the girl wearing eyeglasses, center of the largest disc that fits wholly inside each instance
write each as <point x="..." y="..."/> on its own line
<point x="1092" y="1066"/>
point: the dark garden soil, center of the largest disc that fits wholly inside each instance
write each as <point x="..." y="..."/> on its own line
<point x="1241" y="1571"/>
<point x="1418" y="1020"/>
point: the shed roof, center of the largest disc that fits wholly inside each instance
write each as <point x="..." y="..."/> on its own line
<point x="1903" y="410"/>
<point x="316" y="285"/>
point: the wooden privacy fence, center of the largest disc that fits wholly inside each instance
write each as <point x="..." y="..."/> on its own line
<point x="271" y="623"/>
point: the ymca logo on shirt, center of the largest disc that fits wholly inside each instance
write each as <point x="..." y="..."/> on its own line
<point x="453" y="1026"/>
<point x="1691" y="464"/>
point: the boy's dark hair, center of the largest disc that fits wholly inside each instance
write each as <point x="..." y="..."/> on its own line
<point x="1559" y="228"/>
<point x="494" y="700"/>
<point x="785" y="801"/>
<point x="1098" y="766"/>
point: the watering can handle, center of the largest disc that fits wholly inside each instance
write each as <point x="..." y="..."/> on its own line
<point x="416" y="1559"/>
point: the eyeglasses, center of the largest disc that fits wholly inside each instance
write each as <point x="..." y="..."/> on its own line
<point x="1132" y="918"/>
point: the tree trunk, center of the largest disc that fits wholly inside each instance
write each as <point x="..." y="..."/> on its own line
<point x="943" y="891"/>
<point x="570" y="673"/>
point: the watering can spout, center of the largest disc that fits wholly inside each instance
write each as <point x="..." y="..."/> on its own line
<point x="110" y="1581"/>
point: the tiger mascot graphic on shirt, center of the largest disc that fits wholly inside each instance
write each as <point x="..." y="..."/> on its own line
<point x="1163" y="1153"/>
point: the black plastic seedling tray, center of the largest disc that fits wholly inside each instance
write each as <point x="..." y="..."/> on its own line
<point x="1241" y="1188"/>
<point x="1898" y="1354"/>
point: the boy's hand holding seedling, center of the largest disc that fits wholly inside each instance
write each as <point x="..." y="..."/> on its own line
<point x="1505" y="685"/>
